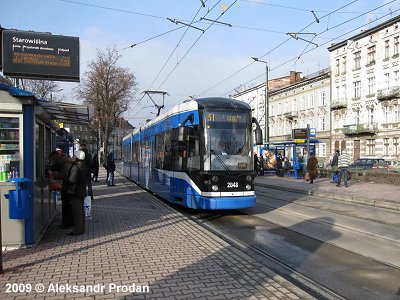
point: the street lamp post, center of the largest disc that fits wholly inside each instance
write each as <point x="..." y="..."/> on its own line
<point x="266" y="102"/>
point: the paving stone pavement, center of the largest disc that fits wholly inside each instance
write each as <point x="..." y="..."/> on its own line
<point x="135" y="242"/>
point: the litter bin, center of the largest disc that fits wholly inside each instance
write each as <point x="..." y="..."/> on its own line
<point x="19" y="198"/>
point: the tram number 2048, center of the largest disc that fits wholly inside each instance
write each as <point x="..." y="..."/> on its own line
<point x="231" y="185"/>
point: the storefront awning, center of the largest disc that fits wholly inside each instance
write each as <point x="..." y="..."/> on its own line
<point x="68" y="112"/>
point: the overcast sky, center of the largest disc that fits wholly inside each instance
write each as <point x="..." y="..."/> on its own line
<point x="188" y="61"/>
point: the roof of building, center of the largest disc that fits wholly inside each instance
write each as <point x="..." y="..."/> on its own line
<point x="365" y="33"/>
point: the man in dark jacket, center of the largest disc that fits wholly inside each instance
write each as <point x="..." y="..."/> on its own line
<point x="88" y="161"/>
<point x="60" y="168"/>
<point x="110" y="168"/>
<point x="334" y="165"/>
<point x="77" y="179"/>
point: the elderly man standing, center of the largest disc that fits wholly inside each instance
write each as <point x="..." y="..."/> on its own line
<point x="343" y="164"/>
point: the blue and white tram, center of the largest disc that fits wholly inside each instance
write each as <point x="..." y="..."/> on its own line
<point x="198" y="154"/>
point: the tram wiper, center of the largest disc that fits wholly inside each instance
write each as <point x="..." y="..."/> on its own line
<point x="221" y="161"/>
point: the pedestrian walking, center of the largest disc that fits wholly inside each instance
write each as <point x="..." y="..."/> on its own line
<point x="343" y="164"/>
<point x="95" y="168"/>
<point x="312" y="167"/>
<point x="88" y="163"/>
<point x="261" y="161"/>
<point x="77" y="191"/>
<point x="279" y="165"/>
<point x="110" y="168"/>
<point x="256" y="164"/>
<point x="60" y="168"/>
<point x="334" y="165"/>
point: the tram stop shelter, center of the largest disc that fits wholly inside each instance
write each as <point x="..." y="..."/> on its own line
<point x="294" y="150"/>
<point x="29" y="132"/>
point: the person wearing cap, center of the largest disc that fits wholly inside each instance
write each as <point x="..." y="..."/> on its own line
<point x="77" y="191"/>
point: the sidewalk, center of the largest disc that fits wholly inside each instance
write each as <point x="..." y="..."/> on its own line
<point x="133" y="242"/>
<point x="368" y="193"/>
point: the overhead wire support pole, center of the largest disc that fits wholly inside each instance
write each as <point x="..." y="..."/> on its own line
<point x="188" y="25"/>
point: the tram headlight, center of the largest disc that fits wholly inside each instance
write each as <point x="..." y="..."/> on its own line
<point x="214" y="188"/>
<point x="248" y="187"/>
<point x="248" y="178"/>
<point x="214" y="178"/>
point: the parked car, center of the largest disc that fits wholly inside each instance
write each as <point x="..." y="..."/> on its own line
<point x="394" y="166"/>
<point x="368" y="164"/>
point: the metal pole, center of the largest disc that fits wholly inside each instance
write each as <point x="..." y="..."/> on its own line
<point x="266" y="105"/>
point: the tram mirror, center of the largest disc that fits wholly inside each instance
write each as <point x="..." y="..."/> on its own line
<point x="259" y="137"/>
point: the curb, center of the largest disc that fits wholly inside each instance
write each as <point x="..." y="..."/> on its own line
<point x="315" y="192"/>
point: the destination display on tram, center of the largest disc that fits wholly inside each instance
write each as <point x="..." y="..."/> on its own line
<point x="230" y="117"/>
<point x="40" y="55"/>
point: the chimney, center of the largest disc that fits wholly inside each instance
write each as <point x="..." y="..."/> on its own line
<point x="292" y="77"/>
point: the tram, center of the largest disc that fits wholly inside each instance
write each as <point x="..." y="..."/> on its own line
<point x="199" y="154"/>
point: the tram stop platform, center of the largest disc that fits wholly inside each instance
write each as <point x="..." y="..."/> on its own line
<point x="367" y="193"/>
<point x="137" y="247"/>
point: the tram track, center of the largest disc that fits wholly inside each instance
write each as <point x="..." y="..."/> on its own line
<point x="309" y="285"/>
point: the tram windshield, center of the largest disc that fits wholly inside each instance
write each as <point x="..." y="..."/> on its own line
<point x="227" y="140"/>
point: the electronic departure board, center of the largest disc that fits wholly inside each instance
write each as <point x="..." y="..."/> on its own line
<point x="40" y="55"/>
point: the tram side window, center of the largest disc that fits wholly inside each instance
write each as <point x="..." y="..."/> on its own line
<point x="135" y="149"/>
<point x="167" y="150"/>
<point x="193" y="147"/>
<point x="178" y="152"/>
<point x="159" y="151"/>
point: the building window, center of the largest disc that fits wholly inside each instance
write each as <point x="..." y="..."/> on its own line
<point x="386" y="146"/>
<point x="279" y="108"/>
<point x="357" y="60"/>
<point x="386" y="113"/>
<point x="387" y="52"/>
<point x="322" y="124"/>
<point x="337" y="92"/>
<point x="396" y="146"/>
<point x="370" y="115"/>
<point x="272" y="109"/>
<point x="322" y="98"/>
<point x="344" y="91"/>
<point x="357" y="89"/>
<point x="386" y="80"/>
<point x="396" y="46"/>
<point x="311" y="100"/>
<point x="396" y="113"/>
<point x="371" y="147"/>
<point x="321" y="150"/>
<point x="337" y="68"/>
<point x="396" y="78"/>
<point x="371" y="85"/>
<point x="371" y="55"/>
<point x="344" y="65"/>
<point x="294" y="105"/>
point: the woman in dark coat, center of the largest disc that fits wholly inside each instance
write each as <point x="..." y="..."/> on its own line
<point x="77" y="180"/>
<point x="95" y="167"/>
<point x="312" y="167"/>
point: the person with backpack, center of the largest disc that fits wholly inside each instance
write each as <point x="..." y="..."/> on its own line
<point x="334" y="165"/>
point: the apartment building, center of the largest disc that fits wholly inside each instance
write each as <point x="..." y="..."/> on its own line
<point x="365" y="89"/>
<point x="299" y="102"/>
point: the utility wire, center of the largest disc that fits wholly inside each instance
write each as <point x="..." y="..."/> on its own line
<point x="173" y="51"/>
<point x="273" y="49"/>
<point x="344" y="34"/>
<point x="113" y="9"/>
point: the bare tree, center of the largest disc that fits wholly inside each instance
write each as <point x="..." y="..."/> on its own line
<point x="42" y="89"/>
<point x="109" y="88"/>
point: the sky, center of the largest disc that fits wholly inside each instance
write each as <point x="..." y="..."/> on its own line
<point x="211" y="56"/>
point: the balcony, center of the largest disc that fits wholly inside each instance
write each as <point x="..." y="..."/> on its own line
<point x="355" y="129"/>
<point x="291" y="115"/>
<point x="389" y="93"/>
<point x="339" y="103"/>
